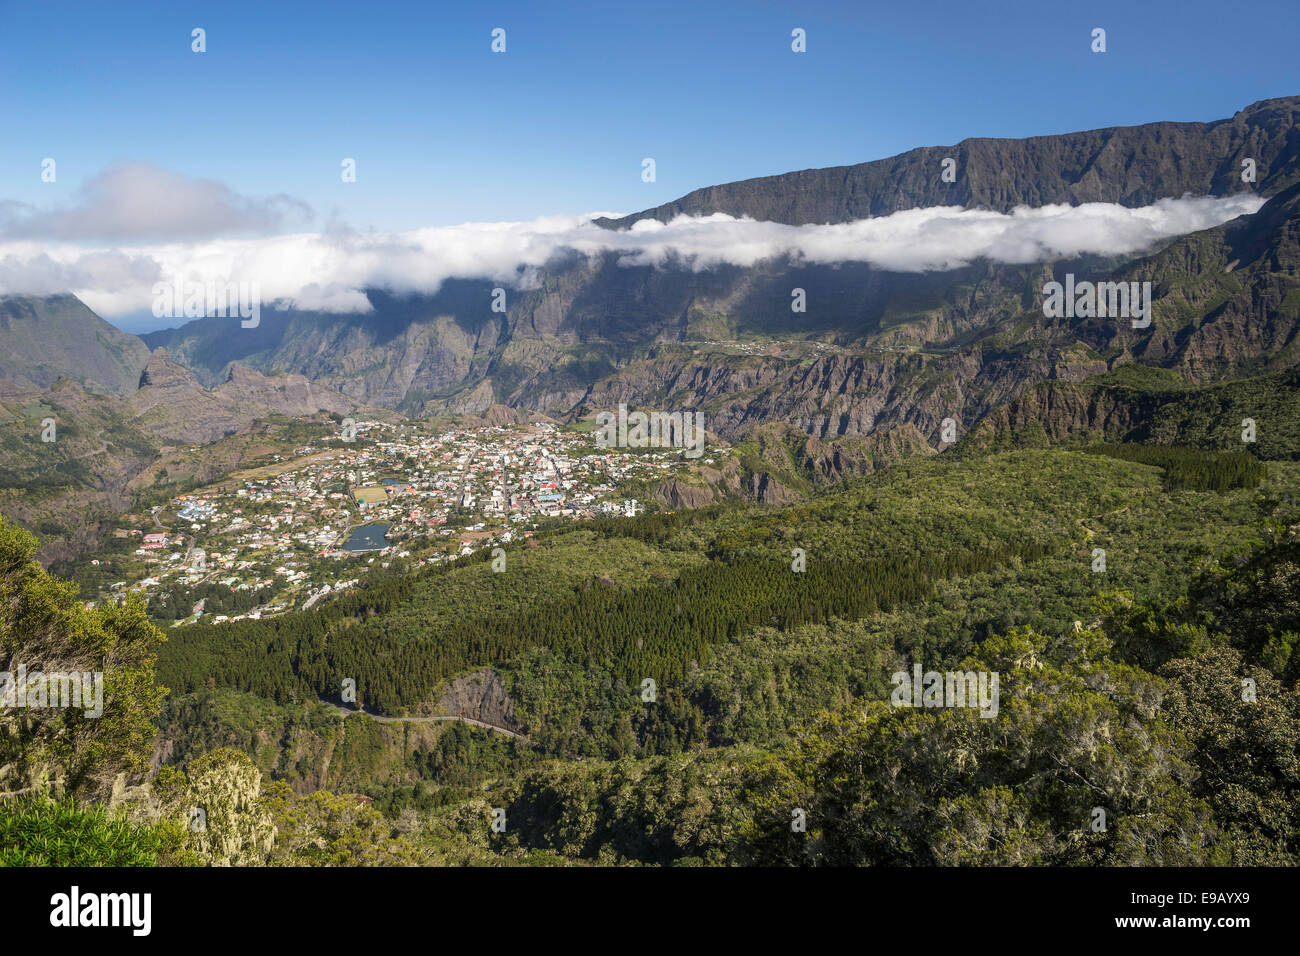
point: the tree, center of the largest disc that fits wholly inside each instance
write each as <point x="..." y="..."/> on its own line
<point x="45" y="629"/>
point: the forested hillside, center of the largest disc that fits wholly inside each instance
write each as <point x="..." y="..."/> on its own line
<point x="1122" y="683"/>
<point x="672" y="688"/>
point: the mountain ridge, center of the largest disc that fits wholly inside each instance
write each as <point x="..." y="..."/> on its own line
<point x="880" y="358"/>
<point x="1114" y="164"/>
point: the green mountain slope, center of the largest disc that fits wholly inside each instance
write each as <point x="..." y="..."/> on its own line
<point x="45" y="339"/>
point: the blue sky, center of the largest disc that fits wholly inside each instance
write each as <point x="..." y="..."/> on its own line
<point x="445" y="131"/>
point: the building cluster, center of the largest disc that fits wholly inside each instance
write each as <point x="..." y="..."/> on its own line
<point x="383" y="491"/>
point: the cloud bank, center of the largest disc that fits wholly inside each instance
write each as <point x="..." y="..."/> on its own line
<point x="329" y="271"/>
<point x="138" y="201"/>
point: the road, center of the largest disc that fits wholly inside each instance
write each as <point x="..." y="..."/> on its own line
<point x="348" y="711"/>
<point x="1088" y="531"/>
<point x="87" y="454"/>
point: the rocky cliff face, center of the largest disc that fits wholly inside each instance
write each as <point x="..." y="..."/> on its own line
<point x="174" y="406"/>
<point x="1132" y="166"/>
<point x="480" y="696"/>
<point x="1159" y="411"/>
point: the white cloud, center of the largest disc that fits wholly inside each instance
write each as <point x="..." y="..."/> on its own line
<point x="138" y="201"/>
<point x="328" y="271"/>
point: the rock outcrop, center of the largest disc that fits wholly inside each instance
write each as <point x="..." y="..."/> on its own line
<point x="173" y="405"/>
<point x="480" y="696"/>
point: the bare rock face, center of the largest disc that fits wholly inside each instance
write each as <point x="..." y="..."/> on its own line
<point x="675" y="494"/>
<point x="105" y="443"/>
<point x="834" y="459"/>
<point x="288" y="394"/>
<point x="501" y="415"/>
<point x="161" y="373"/>
<point x="767" y="490"/>
<point x="1065" y="412"/>
<point x="1131" y="165"/>
<point x="480" y="696"/>
<point x="172" y="404"/>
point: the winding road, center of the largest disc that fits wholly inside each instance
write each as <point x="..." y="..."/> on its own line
<point x="348" y="711"/>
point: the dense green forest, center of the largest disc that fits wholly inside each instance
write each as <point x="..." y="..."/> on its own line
<point x="1192" y="468"/>
<point x="1140" y="606"/>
